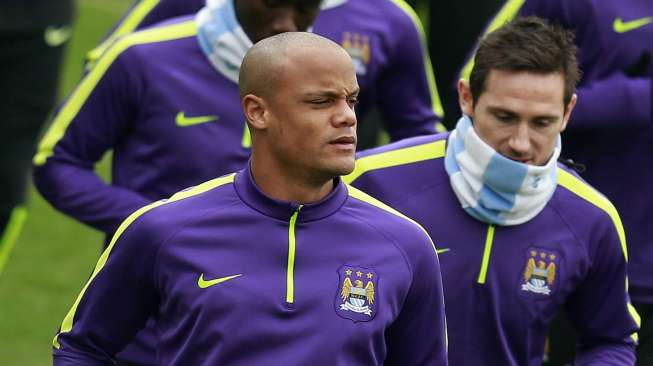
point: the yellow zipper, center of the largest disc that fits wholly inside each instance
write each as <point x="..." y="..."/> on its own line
<point x="489" y="239"/>
<point x="290" y="272"/>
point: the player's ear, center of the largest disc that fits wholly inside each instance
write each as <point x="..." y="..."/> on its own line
<point x="568" y="108"/>
<point x="465" y="99"/>
<point x="255" y="110"/>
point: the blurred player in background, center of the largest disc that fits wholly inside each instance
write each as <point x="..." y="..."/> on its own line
<point x="33" y="36"/>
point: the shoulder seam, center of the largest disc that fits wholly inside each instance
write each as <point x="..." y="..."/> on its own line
<point x="67" y="323"/>
<point x="84" y="89"/>
<point x="408" y="155"/>
<point x="366" y="198"/>
<point x="436" y="102"/>
<point x="586" y="192"/>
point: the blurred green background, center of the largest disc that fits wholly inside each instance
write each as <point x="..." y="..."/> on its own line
<point x="54" y="255"/>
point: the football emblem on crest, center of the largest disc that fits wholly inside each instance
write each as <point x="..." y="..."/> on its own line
<point x="357" y="293"/>
<point x="358" y="47"/>
<point x="539" y="274"/>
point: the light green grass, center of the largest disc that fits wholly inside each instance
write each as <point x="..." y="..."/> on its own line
<point x="54" y="254"/>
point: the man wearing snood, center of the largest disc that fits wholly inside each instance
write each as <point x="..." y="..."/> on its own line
<point x="519" y="235"/>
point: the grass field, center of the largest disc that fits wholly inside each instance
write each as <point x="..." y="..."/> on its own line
<point x="54" y="254"/>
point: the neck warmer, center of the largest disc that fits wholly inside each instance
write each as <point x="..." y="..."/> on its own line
<point x="223" y="40"/>
<point x="491" y="187"/>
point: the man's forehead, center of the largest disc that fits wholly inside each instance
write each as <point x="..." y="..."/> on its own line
<point x="525" y="86"/>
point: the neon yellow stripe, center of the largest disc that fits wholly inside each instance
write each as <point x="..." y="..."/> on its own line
<point x="489" y="239"/>
<point x="247" y="138"/>
<point x="413" y="154"/>
<point x="362" y="196"/>
<point x="589" y="194"/>
<point x="506" y="14"/>
<point x="13" y="227"/>
<point x="81" y="93"/>
<point x="435" y="97"/>
<point x="67" y="323"/>
<point x="290" y="271"/>
<point x="638" y="320"/>
<point x="128" y="24"/>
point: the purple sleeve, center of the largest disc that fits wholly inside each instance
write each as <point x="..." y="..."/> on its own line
<point x="618" y="101"/>
<point x="142" y="14"/>
<point x="418" y="335"/>
<point x="612" y="101"/>
<point x="116" y="302"/>
<point x="66" y="179"/>
<point x="406" y="99"/>
<point x="166" y="9"/>
<point x="599" y="308"/>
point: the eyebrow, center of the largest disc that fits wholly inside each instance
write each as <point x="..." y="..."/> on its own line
<point x="331" y="94"/>
<point x="492" y="109"/>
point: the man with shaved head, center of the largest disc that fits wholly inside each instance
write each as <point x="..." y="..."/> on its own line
<point x="279" y="263"/>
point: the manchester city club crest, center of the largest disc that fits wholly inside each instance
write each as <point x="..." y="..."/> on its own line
<point x="540" y="272"/>
<point x="358" y="47"/>
<point x="357" y="295"/>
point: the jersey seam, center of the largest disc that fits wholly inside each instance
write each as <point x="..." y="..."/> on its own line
<point x="391" y="239"/>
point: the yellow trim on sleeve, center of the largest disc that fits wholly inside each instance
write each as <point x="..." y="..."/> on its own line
<point x="430" y="77"/>
<point x="589" y="194"/>
<point x="638" y="320"/>
<point x="12" y="230"/>
<point x="362" y="196"/>
<point x="412" y="154"/>
<point x="489" y="240"/>
<point x="67" y="324"/>
<point x="80" y="95"/>
<point x="506" y="14"/>
<point x="247" y="138"/>
<point x="128" y="24"/>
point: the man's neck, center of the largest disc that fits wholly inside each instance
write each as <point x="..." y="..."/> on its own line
<point x="282" y="185"/>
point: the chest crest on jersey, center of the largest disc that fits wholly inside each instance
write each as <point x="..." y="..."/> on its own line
<point x="358" y="47"/>
<point x="357" y="295"/>
<point x="539" y="276"/>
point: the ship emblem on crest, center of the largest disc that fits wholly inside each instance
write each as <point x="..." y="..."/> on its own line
<point x="358" y="47"/>
<point x="357" y="293"/>
<point x="540" y="272"/>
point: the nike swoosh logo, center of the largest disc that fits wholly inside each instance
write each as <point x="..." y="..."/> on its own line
<point x="443" y="250"/>
<point x="55" y="37"/>
<point x="183" y="121"/>
<point x="620" y="26"/>
<point x="202" y="283"/>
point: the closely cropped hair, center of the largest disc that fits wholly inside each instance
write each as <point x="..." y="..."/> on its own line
<point x="527" y="44"/>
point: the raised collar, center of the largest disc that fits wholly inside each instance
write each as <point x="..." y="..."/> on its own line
<point x="249" y="193"/>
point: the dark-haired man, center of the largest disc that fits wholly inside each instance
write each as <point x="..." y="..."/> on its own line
<point x="520" y="235"/>
<point x="280" y="263"/>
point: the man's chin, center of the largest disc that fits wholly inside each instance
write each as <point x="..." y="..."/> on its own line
<point x="343" y="167"/>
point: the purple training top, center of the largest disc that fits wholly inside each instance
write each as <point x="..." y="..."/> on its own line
<point x="233" y="277"/>
<point x="504" y="285"/>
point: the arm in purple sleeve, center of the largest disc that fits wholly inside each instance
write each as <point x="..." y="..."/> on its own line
<point x="407" y="96"/>
<point x="618" y="101"/>
<point x="600" y="308"/>
<point x="141" y="14"/>
<point x="93" y="119"/>
<point x="419" y="335"/>
<point x="117" y="300"/>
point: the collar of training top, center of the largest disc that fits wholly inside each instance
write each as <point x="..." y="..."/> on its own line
<point x="255" y="198"/>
